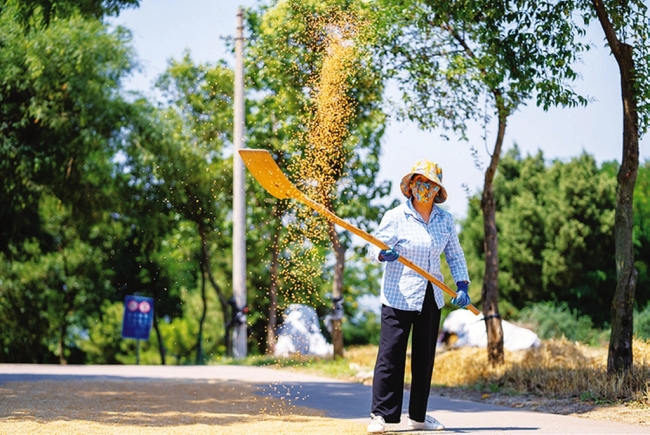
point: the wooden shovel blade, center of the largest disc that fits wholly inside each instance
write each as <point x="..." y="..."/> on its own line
<point x="261" y="164"/>
<point x="270" y="176"/>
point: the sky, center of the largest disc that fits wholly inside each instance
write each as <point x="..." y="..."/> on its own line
<point x="164" y="29"/>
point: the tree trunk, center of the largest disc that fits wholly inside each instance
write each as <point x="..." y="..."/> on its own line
<point x="161" y="345"/>
<point x="272" y="324"/>
<point x="68" y="299"/>
<point x="205" y="259"/>
<point x="337" y="291"/>
<point x="199" y="338"/>
<point x="153" y="287"/>
<point x="62" y="334"/>
<point x="490" y="290"/>
<point x="619" y="358"/>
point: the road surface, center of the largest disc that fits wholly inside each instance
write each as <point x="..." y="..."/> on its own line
<point x="338" y="399"/>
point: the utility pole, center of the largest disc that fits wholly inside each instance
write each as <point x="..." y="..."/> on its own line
<point x="239" y="337"/>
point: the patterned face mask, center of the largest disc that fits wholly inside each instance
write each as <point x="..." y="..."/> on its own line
<point x="427" y="171"/>
<point x="424" y="191"/>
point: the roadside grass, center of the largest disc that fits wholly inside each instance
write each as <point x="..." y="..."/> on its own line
<point x="558" y="369"/>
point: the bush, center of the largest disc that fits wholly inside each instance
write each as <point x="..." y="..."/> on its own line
<point x="104" y="342"/>
<point x="362" y="329"/>
<point x="551" y="320"/>
<point x="642" y="323"/>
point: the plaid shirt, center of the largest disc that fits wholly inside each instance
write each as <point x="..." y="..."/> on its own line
<point x="404" y="230"/>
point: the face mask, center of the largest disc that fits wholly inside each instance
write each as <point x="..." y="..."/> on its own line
<point x="424" y="191"/>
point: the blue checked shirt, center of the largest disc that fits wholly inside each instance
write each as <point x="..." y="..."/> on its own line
<point x="404" y="230"/>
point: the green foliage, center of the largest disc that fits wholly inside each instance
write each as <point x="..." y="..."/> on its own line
<point x="61" y="115"/>
<point x="556" y="223"/>
<point x="284" y="54"/>
<point x="177" y="158"/>
<point x="362" y="329"/>
<point x="74" y="228"/>
<point x="642" y="323"/>
<point x="641" y="233"/>
<point x="60" y="112"/>
<point x="447" y="56"/>
<point x="551" y="320"/>
<point x="42" y="12"/>
<point x="25" y="332"/>
<point x="104" y="342"/>
<point x="180" y="334"/>
<point x="105" y="197"/>
<point x="105" y="345"/>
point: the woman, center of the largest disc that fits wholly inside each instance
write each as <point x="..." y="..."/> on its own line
<point x="420" y="231"/>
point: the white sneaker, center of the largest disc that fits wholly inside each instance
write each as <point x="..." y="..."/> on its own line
<point x="377" y="424"/>
<point x="429" y="423"/>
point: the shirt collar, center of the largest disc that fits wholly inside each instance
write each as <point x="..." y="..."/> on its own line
<point x="410" y="210"/>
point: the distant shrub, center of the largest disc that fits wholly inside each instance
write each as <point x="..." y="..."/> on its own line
<point x="553" y="320"/>
<point x="104" y="343"/>
<point x="642" y="323"/>
<point x="362" y="329"/>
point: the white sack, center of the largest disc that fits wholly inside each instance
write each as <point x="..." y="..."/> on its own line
<point x="470" y="330"/>
<point x="300" y="333"/>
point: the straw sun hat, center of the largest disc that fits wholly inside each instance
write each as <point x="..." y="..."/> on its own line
<point x="432" y="171"/>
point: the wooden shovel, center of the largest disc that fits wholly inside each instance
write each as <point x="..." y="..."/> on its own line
<point x="269" y="175"/>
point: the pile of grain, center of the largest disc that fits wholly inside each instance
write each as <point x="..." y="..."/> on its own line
<point x="161" y="407"/>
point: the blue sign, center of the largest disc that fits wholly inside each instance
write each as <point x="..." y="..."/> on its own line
<point x="138" y="317"/>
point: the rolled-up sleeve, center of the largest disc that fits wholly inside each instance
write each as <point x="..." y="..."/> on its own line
<point x="386" y="232"/>
<point x="456" y="258"/>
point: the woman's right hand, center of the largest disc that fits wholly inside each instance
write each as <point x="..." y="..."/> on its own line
<point x="388" y="255"/>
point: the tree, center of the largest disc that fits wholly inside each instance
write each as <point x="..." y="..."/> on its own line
<point x="626" y="29"/>
<point x="556" y="223"/>
<point x="185" y="159"/>
<point x="448" y="56"/>
<point x="148" y="221"/>
<point x="286" y="54"/>
<point x="556" y="226"/>
<point x="58" y="107"/>
<point x="41" y="12"/>
<point x="61" y="121"/>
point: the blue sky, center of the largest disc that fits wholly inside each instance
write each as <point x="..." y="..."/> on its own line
<point x="163" y="29"/>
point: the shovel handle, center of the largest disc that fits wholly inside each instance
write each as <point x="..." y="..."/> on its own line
<point x="433" y="279"/>
<point x="375" y="241"/>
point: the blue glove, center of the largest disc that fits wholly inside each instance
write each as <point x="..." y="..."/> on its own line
<point x="388" y="255"/>
<point x="462" y="298"/>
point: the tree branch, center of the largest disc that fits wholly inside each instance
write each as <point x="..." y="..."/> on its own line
<point x="608" y="28"/>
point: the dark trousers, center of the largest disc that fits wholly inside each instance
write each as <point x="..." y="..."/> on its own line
<point x="388" y="381"/>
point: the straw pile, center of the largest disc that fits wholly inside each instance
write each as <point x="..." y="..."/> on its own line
<point x="557" y="369"/>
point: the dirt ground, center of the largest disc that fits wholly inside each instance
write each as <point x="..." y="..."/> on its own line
<point x="116" y="407"/>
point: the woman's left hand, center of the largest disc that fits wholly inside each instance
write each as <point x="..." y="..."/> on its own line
<point x="462" y="298"/>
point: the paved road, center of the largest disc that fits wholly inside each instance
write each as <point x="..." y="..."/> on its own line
<point x="338" y="399"/>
